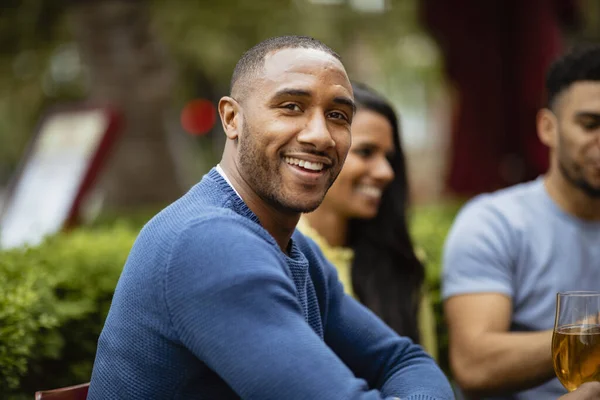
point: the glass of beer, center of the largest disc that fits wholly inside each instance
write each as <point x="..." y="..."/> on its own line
<point x="576" y="338"/>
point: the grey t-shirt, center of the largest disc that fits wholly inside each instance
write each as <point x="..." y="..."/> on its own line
<point x="518" y="242"/>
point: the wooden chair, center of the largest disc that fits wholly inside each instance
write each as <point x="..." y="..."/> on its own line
<point x="78" y="392"/>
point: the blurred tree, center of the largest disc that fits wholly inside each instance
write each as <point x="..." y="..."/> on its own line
<point x="28" y="33"/>
<point x="130" y="70"/>
<point x="124" y="66"/>
<point x="212" y="35"/>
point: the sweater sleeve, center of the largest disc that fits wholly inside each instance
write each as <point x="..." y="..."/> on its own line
<point x="390" y="363"/>
<point x="235" y="308"/>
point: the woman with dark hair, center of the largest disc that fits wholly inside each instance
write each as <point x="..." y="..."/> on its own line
<point x="361" y="224"/>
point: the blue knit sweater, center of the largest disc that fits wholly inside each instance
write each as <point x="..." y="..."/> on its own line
<point x="208" y="307"/>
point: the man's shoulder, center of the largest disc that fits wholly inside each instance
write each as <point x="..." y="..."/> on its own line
<point x="512" y="204"/>
<point x="200" y="218"/>
<point x="209" y="202"/>
<point x="485" y="240"/>
<point x="209" y="220"/>
<point x="205" y="242"/>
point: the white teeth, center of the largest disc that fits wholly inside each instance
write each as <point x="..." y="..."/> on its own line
<point x="370" y="191"/>
<point x="313" y="166"/>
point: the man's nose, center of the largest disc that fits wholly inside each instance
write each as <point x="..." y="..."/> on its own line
<point x="316" y="133"/>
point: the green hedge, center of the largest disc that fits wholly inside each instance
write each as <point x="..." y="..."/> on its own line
<point x="27" y="316"/>
<point x="53" y="302"/>
<point x="54" y="299"/>
<point x="429" y="227"/>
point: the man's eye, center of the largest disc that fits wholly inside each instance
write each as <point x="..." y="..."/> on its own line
<point x="292" y="107"/>
<point x="589" y="123"/>
<point x="338" y="115"/>
<point x="590" y="126"/>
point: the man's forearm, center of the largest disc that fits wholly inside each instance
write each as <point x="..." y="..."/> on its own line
<point x="408" y="383"/>
<point x="495" y="363"/>
<point x="375" y="353"/>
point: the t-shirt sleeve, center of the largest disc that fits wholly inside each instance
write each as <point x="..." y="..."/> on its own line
<point x="479" y="252"/>
<point x="235" y="308"/>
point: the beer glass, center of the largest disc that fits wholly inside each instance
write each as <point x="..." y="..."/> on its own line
<point x="576" y="338"/>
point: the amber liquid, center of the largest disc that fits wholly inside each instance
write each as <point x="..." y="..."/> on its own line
<point x="576" y="353"/>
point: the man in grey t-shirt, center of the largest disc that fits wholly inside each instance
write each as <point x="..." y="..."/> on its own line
<point x="510" y="252"/>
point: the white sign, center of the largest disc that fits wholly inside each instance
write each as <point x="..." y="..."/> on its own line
<point x="50" y="180"/>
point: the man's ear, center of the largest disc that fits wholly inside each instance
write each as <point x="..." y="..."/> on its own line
<point x="547" y="127"/>
<point x="229" y="111"/>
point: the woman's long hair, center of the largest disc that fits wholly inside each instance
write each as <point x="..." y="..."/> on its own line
<point x="386" y="274"/>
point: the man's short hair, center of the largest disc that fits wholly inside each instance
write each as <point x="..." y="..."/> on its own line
<point x="580" y="64"/>
<point x="253" y="60"/>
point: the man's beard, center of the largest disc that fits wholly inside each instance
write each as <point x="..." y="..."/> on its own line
<point x="266" y="179"/>
<point x="575" y="177"/>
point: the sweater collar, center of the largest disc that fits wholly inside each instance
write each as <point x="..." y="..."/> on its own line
<point x="236" y="201"/>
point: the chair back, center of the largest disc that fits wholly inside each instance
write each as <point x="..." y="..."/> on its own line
<point x="78" y="392"/>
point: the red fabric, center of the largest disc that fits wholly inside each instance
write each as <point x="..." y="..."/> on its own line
<point x="496" y="54"/>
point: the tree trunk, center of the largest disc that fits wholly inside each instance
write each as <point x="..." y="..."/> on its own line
<point x="130" y="70"/>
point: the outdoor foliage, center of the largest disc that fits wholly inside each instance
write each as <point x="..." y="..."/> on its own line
<point x="429" y="227"/>
<point x="53" y="302"/>
<point x="27" y="315"/>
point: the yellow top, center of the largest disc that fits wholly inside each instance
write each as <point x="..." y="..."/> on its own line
<point x="341" y="258"/>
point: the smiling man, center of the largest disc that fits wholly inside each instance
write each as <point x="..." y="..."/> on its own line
<point x="221" y="298"/>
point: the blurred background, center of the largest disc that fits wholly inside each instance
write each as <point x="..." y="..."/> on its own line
<point x="466" y="77"/>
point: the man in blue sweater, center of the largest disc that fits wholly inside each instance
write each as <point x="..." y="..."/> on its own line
<point x="221" y="298"/>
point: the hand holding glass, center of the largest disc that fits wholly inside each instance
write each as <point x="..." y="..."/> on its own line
<point x="576" y="338"/>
